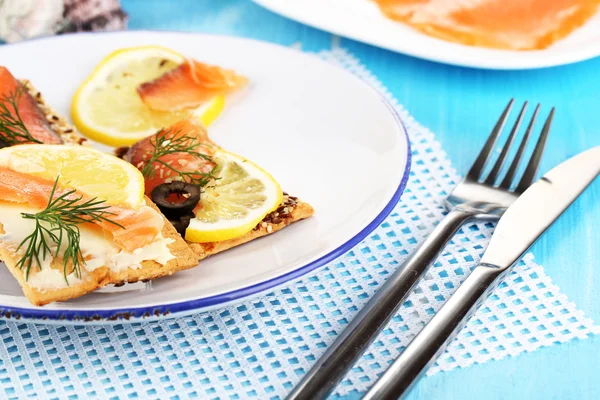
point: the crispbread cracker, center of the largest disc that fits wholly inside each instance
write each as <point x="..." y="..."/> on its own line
<point x="100" y="277"/>
<point x="290" y="211"/>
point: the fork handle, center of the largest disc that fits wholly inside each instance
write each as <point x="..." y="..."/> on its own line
<point x="329" y="370"/>
<point x="424" y="349"/>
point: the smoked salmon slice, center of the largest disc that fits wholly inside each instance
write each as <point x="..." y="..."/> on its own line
<point x="138" y="227"/>
<point x="188" y="86"/>
<point x="28" y="111"/>
<point x="502" y="24"/>
<point x="192" y="135"/>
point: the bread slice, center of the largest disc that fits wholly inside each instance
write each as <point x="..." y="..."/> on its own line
<point x="184" y="258"/>
<point x="291" y="210"/>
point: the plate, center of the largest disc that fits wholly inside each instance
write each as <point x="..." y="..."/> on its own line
<point x="325" y="135"/>
<point x="361" y="20"/>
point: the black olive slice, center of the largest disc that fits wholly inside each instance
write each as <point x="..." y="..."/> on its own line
<point x="3" y="144"/>
<point x="190" y="193"/>
<point x="182" y="223"/>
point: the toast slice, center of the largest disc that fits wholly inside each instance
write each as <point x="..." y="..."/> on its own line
<point x="184" y="257"/>
<point x="90" y="281"/>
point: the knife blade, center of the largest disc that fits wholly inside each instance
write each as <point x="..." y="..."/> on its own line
<point x="539" y="206"/>
<point x="518" y="229"/>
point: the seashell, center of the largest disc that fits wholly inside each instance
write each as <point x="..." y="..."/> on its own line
<point x="25" y="19"/>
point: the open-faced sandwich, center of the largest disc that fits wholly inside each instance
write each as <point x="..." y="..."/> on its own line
<point x="74" y="219"/>
<point x="216" y="199"/>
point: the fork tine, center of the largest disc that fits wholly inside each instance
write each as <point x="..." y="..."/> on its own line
<point x="493" y="176"/>
<point x="484" y="154"/>
<point x="512" y="170"/>
<point x="534" y="161"/>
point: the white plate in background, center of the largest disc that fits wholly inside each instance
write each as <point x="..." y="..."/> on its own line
<point x="361" y="20"/>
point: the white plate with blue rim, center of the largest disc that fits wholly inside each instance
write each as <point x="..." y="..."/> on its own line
<point x="362" y="20"/>
<point x="324" y="134"/>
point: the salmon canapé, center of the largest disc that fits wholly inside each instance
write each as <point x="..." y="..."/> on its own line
<point x="131" y="229"/>
<point x="27" y="111"/>
<point x="501" y="24"/>
<point x="188" y="86"/>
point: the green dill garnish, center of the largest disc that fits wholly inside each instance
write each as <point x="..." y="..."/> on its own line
<point x="163" y="145"/>
<point x="56" y="230"/>
<point x="12" y="129"/>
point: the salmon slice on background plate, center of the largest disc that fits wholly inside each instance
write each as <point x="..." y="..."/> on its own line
<point x="503" y="24"/>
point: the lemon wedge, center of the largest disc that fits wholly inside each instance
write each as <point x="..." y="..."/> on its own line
<point x="238" y="201"/>
<point x="108" y="109"/>
<point x="92" y="172"/>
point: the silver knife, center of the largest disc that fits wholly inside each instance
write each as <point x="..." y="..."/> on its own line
<point x="518" y="229"/>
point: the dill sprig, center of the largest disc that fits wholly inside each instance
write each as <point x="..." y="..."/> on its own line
<point x="12" y="128"/>
<point x="163" y="145"/>
<point x="56" y="228"/>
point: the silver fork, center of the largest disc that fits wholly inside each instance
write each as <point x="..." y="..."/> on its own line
<point x="476" y="197"/>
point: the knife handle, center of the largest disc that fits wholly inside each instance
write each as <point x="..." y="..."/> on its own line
<point x="424" y="349"/>
<point x="329" y="370"/>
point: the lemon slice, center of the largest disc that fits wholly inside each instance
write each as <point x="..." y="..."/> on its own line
<point x="108" y="109"/>
<point x="90" y="171"/>
<point x="239" y="200"/>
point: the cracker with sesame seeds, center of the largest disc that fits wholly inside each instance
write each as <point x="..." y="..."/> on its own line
<point x="291" y="210"/>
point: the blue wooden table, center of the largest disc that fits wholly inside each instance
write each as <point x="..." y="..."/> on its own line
<point x="460" y="105"/>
